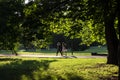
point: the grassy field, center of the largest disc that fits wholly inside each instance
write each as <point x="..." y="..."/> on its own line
<point x="16" y="68"/>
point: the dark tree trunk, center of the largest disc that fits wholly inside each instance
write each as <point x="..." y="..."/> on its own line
<point x="112" y="42"/>
<point x="118" y="9"/>
<point x="119" y="40"/>
<point x="110" y="33"/>
<point x="119" y="58"/>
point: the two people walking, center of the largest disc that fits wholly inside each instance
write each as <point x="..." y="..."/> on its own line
<point x="61" y="47"/>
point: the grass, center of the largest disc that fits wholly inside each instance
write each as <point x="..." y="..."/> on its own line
<point x="17" y="68"/>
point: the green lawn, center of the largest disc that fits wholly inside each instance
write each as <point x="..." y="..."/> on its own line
<point x="17" y="68"/>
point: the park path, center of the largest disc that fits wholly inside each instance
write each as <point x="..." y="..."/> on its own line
<point x="48" y="56"/>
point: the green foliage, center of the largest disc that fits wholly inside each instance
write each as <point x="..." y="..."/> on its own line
<point x="10" y="20"/>
<point x="36" y="28"/>
<point x="92" y="33"/>
<point x="42" y="43"/>
<point x="74" y="21"/>
<point x="55" y="69"/>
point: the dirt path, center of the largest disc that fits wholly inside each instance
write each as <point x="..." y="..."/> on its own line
<point x="49" y="56"/>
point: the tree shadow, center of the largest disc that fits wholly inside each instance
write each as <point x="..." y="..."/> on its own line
<point x="18" y="67"/>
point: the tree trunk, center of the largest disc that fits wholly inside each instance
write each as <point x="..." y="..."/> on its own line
<point x="110" y="34"/>
<point x="112" y="42"/>
<point x="119" y="58"/>
<point x="119" y="40"/>
<point x="118" y="15"/>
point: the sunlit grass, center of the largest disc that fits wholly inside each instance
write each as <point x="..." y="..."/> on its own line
<point x="55" y="69"/>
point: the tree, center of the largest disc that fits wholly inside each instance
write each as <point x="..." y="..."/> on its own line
<point x="105" y="12"/>
<point x="99" y="14"/>
<point x="10" y="20"/>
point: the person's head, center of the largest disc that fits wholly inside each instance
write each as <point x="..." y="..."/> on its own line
<point x="58" y="43"/>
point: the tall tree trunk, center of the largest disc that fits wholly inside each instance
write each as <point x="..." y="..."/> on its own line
<point x="110" y="33"/>
<point x="119" y="57"/>
<point x="118" y="16"/>
<point x="118" y="9"/>
<point x="112" y="42"/>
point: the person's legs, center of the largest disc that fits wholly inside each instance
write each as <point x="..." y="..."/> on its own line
<point x="57" y="52"/>
<point x="61" y="52"/>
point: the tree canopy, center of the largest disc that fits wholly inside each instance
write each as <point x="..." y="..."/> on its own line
<point x="10" y="23"/>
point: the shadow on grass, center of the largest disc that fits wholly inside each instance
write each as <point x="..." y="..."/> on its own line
<point x="18" y="67"/>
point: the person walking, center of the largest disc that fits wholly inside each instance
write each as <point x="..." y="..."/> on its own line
<point x="59" y="48"/>
<point x="64" y="48"/>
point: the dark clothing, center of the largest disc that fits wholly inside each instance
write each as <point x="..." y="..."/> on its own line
<point x="59" y="48"/>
